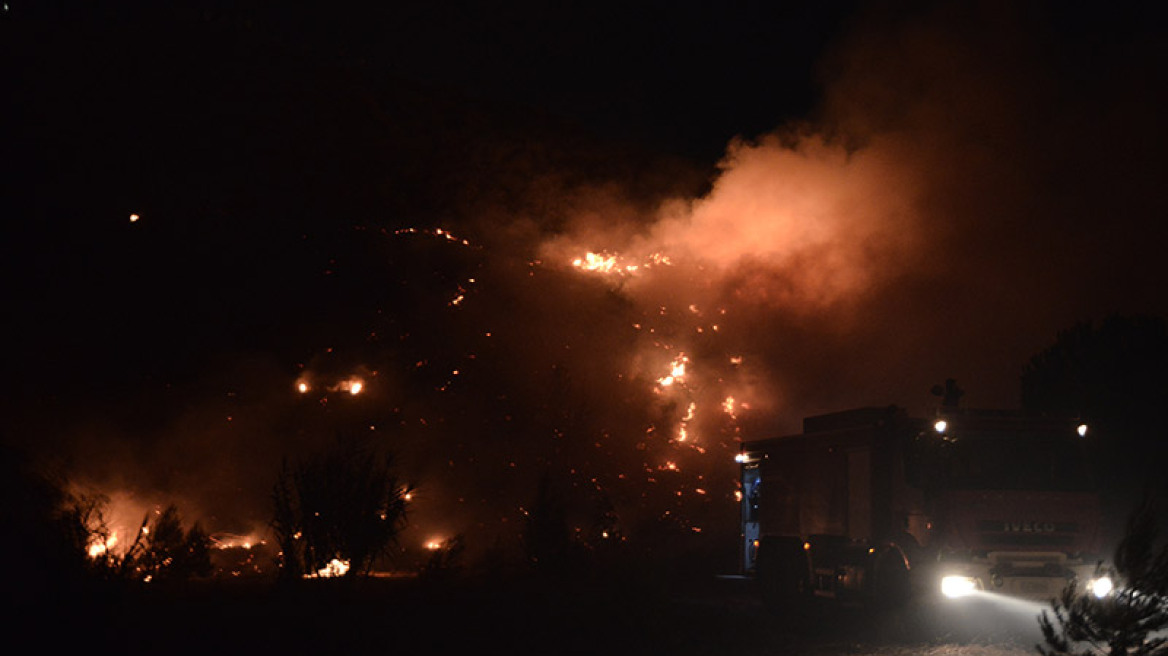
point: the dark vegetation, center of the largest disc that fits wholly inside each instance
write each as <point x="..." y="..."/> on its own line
<point x="1114" y="375"/>
<point x="1130" y="621"/>
<point x="345" y="505"/>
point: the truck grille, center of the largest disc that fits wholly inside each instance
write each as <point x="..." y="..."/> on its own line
<point x="1031" y="540"/>
<point x="997" y="526"/>
<point x="1027" y="533"/>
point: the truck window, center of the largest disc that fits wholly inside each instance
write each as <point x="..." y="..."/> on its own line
<point x="1012" y="463"/>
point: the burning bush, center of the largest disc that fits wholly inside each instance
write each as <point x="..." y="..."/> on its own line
<point x="161" y="550"/>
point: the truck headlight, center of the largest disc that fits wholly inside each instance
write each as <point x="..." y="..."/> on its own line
<point x="958" y="586"/>
<point x="1100" y="587"/>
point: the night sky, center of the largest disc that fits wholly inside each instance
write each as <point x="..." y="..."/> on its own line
<point x="794" y="208"/>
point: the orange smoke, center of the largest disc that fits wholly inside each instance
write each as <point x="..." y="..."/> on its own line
<point x="798" y="222"/>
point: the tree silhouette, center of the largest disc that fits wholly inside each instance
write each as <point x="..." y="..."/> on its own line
<point x="558" y="535"/>
<point x="345" y="505"/>
<point x="1114" y="375"/>
<point x="44" y="543"/>
<point x="546" y="536"/>
<point x="168" y="553"/>
<point x="1130" y="621"/>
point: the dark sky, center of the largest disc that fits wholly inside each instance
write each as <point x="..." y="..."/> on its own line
<point x="840" y="204"/>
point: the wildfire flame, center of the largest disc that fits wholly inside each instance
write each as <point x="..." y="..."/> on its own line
<point x="676" y="371"/>
<point x="596" y="262"/>
<point x="230" y="541"/>
<point x="353" y="386"/>
<point x="614" y="264"/>
<point x="436" y="232"/>
<point x="334" y="569"/>
<point x="99" y="547"/>
<point x="729" y="406"/>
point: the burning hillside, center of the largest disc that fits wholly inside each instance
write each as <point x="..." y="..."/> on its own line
<point x="502" y="299"/>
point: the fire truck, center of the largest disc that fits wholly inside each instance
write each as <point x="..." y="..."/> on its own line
<point x="871" y="505"/>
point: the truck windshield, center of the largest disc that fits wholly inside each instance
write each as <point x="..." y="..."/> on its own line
<point x="1013" y="463"/>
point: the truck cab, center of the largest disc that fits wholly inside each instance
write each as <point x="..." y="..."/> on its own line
<point x="874" y="505"/>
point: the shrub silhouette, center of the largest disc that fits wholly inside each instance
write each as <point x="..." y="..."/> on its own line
<point x="161" y="551"/>
<point x="45" y="546"/>
<point x="167" y="553"/>
<point x="1130" y="621"/>
<point x="548" y="541"/>
<point x="346" y="505"/>
<point x="445" y="560"/>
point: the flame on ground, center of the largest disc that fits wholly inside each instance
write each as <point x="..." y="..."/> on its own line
<point x="336" y="568"/>
<point x="231" y="541"/>
<point x="615" y="264"/>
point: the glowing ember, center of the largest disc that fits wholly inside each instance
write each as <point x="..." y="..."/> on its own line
<point x="437" y="232"/>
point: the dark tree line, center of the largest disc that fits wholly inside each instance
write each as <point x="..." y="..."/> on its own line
<point x="1114" y="375"/>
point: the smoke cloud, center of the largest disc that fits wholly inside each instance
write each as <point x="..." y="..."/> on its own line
<point x="970" y="185"/>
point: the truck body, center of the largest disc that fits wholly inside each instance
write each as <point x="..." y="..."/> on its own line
<point x="874" y="505"/>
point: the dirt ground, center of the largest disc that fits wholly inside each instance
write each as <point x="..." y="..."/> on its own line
<point x="518" y="617"/>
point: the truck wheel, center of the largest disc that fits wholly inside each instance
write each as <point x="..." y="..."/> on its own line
<point x="782" y="572"/>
